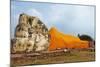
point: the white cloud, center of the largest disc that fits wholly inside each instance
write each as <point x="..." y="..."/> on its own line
<point x="56" y="12"/>
<point x="34" y="12"/>
<point x="31" y="12"/>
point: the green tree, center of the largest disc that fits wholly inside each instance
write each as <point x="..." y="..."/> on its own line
<point x="85" y="37"/>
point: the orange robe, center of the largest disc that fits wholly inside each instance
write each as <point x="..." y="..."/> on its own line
<point x="60" y="40"/>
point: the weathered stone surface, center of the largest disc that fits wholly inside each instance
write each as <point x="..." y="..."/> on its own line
<point x="30" y="35"/>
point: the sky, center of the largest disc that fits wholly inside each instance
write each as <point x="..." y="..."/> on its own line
<point x="67" y="18"/>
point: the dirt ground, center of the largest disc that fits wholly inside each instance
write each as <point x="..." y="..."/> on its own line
<point x="52" y="58"/>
